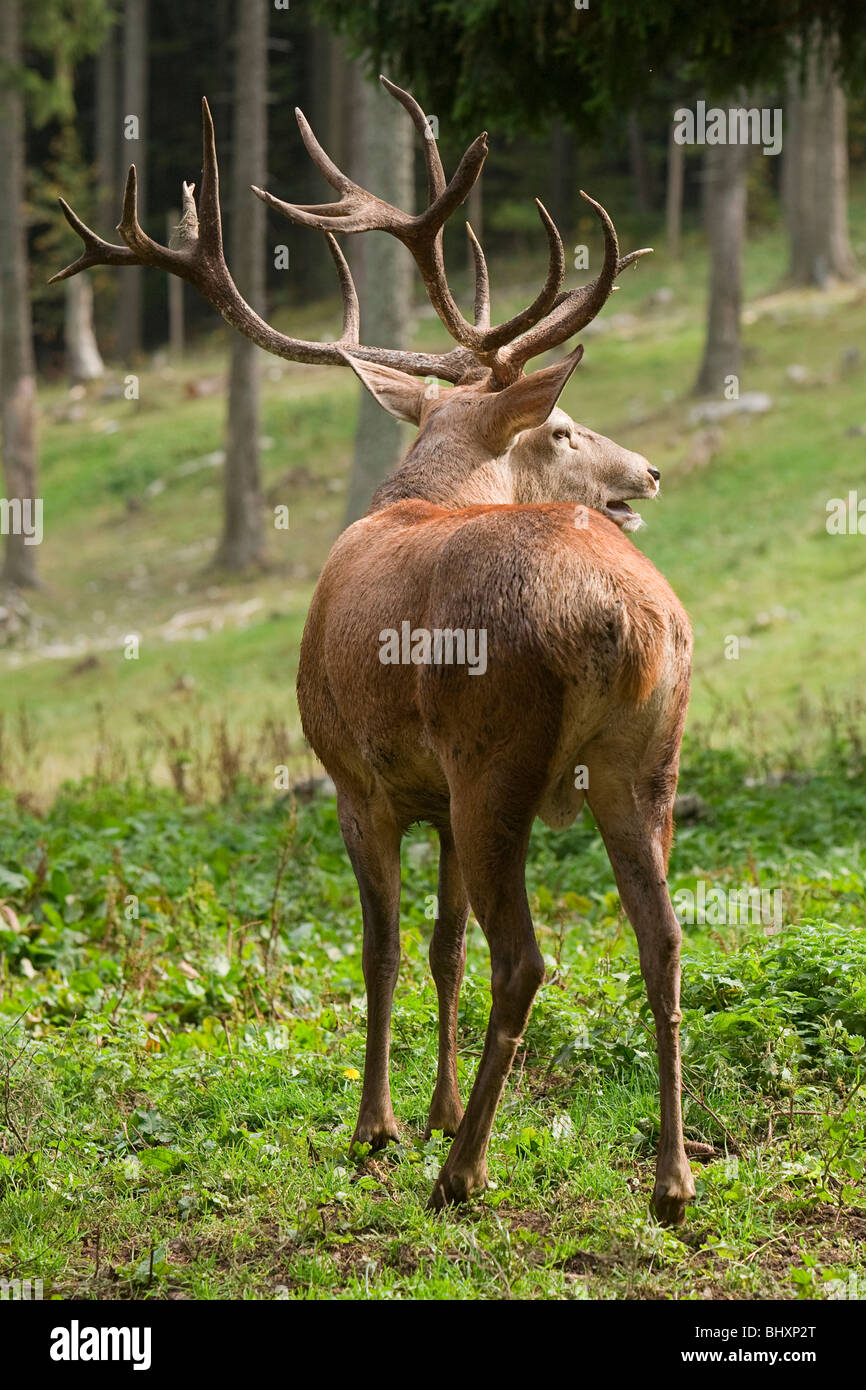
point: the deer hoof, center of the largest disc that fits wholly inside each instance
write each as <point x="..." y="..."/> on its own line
<point x="671" y="1197"/>
<point x="376" y="1132"/>
<point x="445" y="1115"/>
<point x="455" y="1187"/>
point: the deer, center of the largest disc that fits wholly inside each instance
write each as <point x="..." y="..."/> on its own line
<point x="505" y="517"/>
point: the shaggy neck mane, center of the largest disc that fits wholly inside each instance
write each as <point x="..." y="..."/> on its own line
<point x="437" y="470"/>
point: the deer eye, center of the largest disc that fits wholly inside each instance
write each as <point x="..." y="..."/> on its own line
<point x="560" y="434"/>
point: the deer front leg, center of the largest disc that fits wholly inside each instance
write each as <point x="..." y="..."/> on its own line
<point x="447" y="962"/>
<point x="373" y="843"/>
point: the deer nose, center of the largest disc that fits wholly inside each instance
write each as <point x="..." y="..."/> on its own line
<point x="654" y="474"/>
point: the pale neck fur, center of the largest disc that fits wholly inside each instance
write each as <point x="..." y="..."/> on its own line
<point x="436" y="471"/>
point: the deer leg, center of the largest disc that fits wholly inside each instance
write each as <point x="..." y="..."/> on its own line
<point x="492" y="859"/>
<point x="637" y="845"/>
<point x="373" y="842"/>
<point x="447" y="961"/>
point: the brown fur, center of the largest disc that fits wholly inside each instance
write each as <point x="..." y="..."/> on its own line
<point x="593" y="612"/>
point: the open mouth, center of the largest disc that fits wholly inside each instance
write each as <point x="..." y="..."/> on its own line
<point x="620" y="512"/>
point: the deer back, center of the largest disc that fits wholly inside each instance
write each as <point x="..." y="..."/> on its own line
<point x="574" y="618"/>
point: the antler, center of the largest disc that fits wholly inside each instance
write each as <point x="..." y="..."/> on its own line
<point x="195" y="253"/>
<point x="574" y="310"/>
<point x="547" y="321"/>
<point x="360" y="211"/>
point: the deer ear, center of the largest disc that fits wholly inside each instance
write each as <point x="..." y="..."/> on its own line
<point x="529" y="400"/>
<point x="399" y="393"/>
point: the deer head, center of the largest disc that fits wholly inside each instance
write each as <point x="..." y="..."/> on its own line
<point x="485" y="360"/>
<point x="515" y="445"/>
<point x="571" y="463"/>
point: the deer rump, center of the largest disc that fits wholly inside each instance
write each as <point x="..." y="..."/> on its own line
<point x="583" y="637"/>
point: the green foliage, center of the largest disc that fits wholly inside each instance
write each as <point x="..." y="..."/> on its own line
<point x="783" y="1014"/>
<point x="182" y="1037"/>
<point x="522" y="66"/>
<point x="61" y="33"/>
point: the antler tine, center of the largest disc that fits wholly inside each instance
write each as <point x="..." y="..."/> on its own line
<point x="323" y="162"/>
<point x="195" y="253"/>
<point x="187" y="229"/>
<point x="209" y="215"/>
<point x="350" y="336"/>
<point x="436" y="184"/>
<point x="358" y="211"/>
<point x="482" y="281"/>
<point x="574" y="310"/>
<point x="436" y="180"/>
<point x="631" y="258"/>
<point x="545" y="300"/>
<point x="146" y="250"/>
<point x="96" y="251"/>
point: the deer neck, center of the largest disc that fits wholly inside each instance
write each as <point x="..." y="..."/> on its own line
<point x="452" y="475"/>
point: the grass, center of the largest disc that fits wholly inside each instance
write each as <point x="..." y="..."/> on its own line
<point x="182" y="1016"/>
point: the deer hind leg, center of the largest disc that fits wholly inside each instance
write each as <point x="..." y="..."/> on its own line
<point x="447" y="961"/>
<point x="637" y="832"/>
<point x="492" y="854"/>
<point x="373" y="841"/>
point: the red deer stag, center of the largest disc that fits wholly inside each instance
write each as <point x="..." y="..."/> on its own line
<point x="504" y="521"/>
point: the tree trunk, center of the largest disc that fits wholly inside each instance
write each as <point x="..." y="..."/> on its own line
<point x="789" y="181"/>
<point x="725" y="214"/>
<point x="815" y="186"/>
<point x="674" y="196"/>
<point x="243" y="539"/>
<point x="107" y="133"/>
<point x="802" y="154"/>
<point x="353" y="115"/>
<point x="83" y="360"/>
<point x="176" y="334"/>
<point x="562" y="181"/>
<point x="833" y="185"/>
<point x="108" y="174"/>
<point x="133" y="151"/>
<point x="639" y="164"/>
<point x="384" y="291"/>
<point x="326" y="118"/>
<point x="17" y="371"/>
<point x="337" y="124"/>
